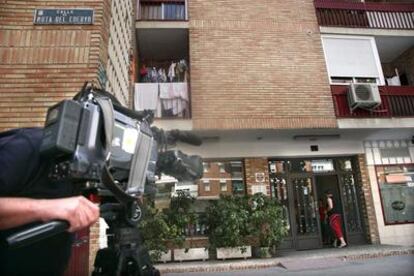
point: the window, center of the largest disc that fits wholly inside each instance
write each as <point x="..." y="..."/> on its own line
<point x="396" y="185"/>
<point x="223" y="185"/>
<point x="347" y="80"/>
<point x="352" y="59"/>
<point x="221" y="167"/>
<point x="236" y="169"/>
<point x="238" y="187"/>
<point x="206" y="186"/>
<point x="206" y="166"/>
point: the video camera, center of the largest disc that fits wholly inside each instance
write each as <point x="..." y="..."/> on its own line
<point x="93" y="132"/>
<point x="111" y="151"/>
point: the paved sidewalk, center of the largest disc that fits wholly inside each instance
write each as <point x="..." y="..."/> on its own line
<point x="291" y="260"/>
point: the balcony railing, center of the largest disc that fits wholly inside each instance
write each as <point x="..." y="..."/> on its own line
<point x="162" y="10"/>
<point x="396" y="101"/>
<point x="337" y="13"/>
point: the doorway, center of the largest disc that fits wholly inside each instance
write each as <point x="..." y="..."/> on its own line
<point x="323" y="184"/>
<point x="298" y="184"/>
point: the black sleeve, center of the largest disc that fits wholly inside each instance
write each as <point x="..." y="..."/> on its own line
<point x="17" y="160"/>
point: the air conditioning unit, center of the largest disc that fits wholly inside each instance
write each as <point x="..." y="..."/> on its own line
<point x="365" y="96"/>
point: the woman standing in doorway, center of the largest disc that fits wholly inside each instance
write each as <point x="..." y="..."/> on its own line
<point x="335" y="220"/>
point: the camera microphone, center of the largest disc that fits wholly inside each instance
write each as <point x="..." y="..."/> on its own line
<point x="186" y="137"/>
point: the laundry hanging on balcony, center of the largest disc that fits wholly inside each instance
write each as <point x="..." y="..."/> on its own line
<point x="174" y="98"/>
<point x="165" y="72"/>
<point x="146" y="96"/>
<point x="169" y="99"/>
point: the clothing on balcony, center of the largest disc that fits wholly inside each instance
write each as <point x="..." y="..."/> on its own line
<point x="165" y="99"/>
<point x="165" y="71"/>
<point x="174" y="98"/>
<point x="146" y="96"/>
<point x="394" y="81"/>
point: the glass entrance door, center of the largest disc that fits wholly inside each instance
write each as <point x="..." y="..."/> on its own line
<point x="306" y="217"/>
<point x="352" y="217"/>
<point x="298" y="184"/>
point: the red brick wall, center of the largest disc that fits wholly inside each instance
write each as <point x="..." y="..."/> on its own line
<point x="257" y="64"/>
<point x="368" y="210"/>
<point x="40" y="65"/>
<point x="253" y="166"/>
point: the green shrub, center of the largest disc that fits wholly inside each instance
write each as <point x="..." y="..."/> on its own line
<point x="227" y="222"/>
<point x="266" y="221"/>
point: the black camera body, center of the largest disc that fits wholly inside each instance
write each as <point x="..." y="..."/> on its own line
<point x="93" y="133"/>
<point x="74" y="138"/>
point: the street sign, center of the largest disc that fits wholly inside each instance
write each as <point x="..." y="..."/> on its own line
<point x="63" y="17"/>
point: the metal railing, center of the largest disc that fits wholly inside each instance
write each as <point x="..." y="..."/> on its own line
<point x="396" y="101"/>
<point x="161" y="10"/>
<point x="337" y="13"/>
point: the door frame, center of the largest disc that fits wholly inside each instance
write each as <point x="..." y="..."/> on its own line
<point x="293" y="241"/>
<point x="310" y="241"/>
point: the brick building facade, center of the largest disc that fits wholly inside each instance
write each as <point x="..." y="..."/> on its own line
<point x="252" y="65"/>
<point x="265" y="86"/>
<point x="43" y="64"/>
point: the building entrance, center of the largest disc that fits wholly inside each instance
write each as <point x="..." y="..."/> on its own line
<point x="299" y="184"/>
<point x="325" y="183"/>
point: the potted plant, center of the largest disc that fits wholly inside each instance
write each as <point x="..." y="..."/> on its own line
<point x="266" y="223"/>
<point x="163" y="230"/>
<point x="179" y="217"/>
<point x="155" y="232"/>
<point x="227" y="227"/>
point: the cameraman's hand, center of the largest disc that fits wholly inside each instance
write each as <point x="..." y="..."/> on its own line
<point x="78" y="211"/>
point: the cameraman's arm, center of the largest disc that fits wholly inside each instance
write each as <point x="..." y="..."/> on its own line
<point x="78" y="211"/>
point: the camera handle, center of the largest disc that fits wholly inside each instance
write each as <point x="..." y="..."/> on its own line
<point x="37" y="233"/>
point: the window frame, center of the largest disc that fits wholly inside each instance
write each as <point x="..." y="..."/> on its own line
<point x="380" y="79"/>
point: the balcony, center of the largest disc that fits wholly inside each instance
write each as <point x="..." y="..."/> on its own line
<point x="162" y="10"/>
<point x="164" y="72"/>
<point x="396" y="101"/>
<point x="340" y="13"/>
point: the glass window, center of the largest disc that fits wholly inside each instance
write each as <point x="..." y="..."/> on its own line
<point x="206" y="186"/>
<point x="323" y="165"/>
<point x="277" y="166"/>
<point x="396" y="184"/>
<point x="238" y="187"/>
<point x="206" y="166"/>
<point x="236" y="169"/>
<point x="344" y="165"/>
<point x="222" y="167"/>
<point x="223" y="186"/>
<point x="300" y="165"/>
